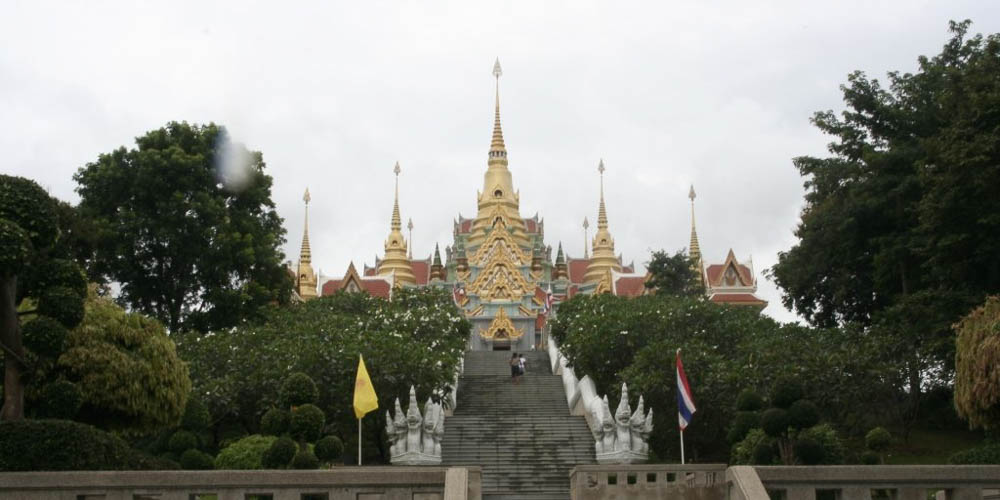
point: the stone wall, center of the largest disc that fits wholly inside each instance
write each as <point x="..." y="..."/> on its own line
<point x="640" y="482"/>
<point x="342" y="483"/>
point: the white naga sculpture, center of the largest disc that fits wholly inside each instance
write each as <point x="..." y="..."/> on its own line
<point x="415" y="439"/>
<point x="624" y="438"/>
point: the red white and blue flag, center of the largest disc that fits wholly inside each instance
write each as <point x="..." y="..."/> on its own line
<point x="458" y="293"/>
<point x="685" y="402"/>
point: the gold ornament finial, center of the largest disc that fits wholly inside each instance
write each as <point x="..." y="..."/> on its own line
<point x="306" y="198"/>
<point x="409" y="226"/>
<point x="396" y="221"/>
<point x="498" y="150"/>
<point x="694" y="249"/>
<point x="602" y="215"/>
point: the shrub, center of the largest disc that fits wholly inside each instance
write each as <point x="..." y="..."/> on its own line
<point x="743" y="452"/>
<point x="193" y="459"/>
<point x="45" y="336"/>
<point x="182" y="441"/>
<point x="764" y="453"/>
<point x="245" y="454"/>
<point x="306" y="423"/>
<point x="878" y="439"/>
<point x="870" y="458"/>
<point x="195" y="416"/>
<point x="62" y="304"/>
<point x="275" y="422"/>
<point x="826" y="436"/>
<point x="305" y="459"/>
<point x="775" y="422"/>
<point x="60" y="399"/>
<point x="27" y="445"/>
<point x="329" y="449"/>
<point x="986" y="454"/>
<point x="742" y="423"/>
<point x="786" y="391"/>
<point x="808" y="451"/>
<point x="279" y="453"/>
<point x="803" y="414"/>
<point x="298" y="389"/>
<point x="749" y="401"/>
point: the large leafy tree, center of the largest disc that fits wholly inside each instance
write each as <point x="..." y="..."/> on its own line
<point x="188" y="244"/>
<point x="41" y="293"/>
<point x="977" y="377"/>
<point x="898" y="231"/>
<point x="417" y="338"/>
<point x="673" y="274"/>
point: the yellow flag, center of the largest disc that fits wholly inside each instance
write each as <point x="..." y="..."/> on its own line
<point x="365" y="399"/>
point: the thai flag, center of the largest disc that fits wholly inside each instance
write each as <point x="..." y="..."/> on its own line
<point x="458" y="293"/>
<point x="685" y="402"/>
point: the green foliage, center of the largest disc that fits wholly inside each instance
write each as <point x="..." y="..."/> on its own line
<point x="808" y="451"/>
<point x="240" y="372"/>
<point x="742" y="424"/>
<point x="977" y="377"/>
<point x="827" y="438"/>
<point x="275" y="422"/>
<point x="28" y="445"/>
<point x="986" y="454"/>
<point x="26" y="205"/>
<point x="674" y="275"/>
<point x="59" y="272"/>
<point x="193" y="459"/>
<point x="189" y="246"/>
<point x="898" y="230"/>
<point x="803" y="414"/>
<point x="305" y="459"/>
<point x="279" y="454"/>
<point x="775" y="422"/>
<point x="306" y="423"/>
<point x="245" y="454"/>
<point x="786" y="391"/>
<point x="182" y="441"/>
<point x="63" y="304"/>
<point x="329" y="449"/>
<point x="878" y="439"/>
<point x="298" y="389"/>
<point x="127" y="368"/>
<point x="14" y="247"/>
<point x="749" y="400"/>
<point x="744" y="452"/>
<point x="45" y="336"/>
<point x="60" y="399"/>
<point x="869" y="457"/>
<point x="195" y="416"/>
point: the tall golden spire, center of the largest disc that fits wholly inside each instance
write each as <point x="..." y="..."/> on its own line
<point x="603" y="256"/>
<point x="305" y="278"/>
<point x="396" y="261"/>
<point x="498" y="198"/>
<point x="694" y="250"/>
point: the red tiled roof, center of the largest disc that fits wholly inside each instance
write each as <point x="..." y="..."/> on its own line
<point x="369" y="271"/>
<point x="330" y="286"/>
<point x="540" y="294"/>
<point x="737" y="298"/>
<point x="377" y="288"/>
<point x="714" y="274"/>
<point x="629" y="269"/>
<point x="630" y="286"/>
<point x="465" y="226"/>
<point x="422" y="271"/>
<point x="531" y="225"/>
<point x="577" y="268"/>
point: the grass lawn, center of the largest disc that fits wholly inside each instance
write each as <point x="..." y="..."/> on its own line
<point x="929" y="447"/>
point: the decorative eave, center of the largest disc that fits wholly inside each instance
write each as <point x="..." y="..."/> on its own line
<point x="501" y="328"/>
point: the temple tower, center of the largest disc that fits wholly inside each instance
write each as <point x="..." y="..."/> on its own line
<point x="603" y="258"/>
<point x="305" y="278"/>
<point x="694" y="250"/>
<point x="396" y="261"/>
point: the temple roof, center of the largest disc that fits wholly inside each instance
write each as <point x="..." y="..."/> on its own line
<point x="737" y="298"/>
<point x="630" y="285"/>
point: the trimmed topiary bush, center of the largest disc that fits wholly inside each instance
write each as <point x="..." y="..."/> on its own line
<point x="749" y="401"/>
<point x="808" y="451"/>
<point x="195" y="416"/>
<point x="298" y="389"/>
<point x="329" y="449"/>
<point x="786" y="391"/>
<point x="742" y="423"/>
<point x="306" y="423"/>
<point x="803" y="414"/>
<point x="182" y="441"/>
<point x="305" y="459"/>
<point x="245" y="454"/>
<point x="60" y="399"/>
<point x="986" y="454"/>
<point x="27" y="445"/>
<point x="45" y="336"/>
<point x="764" y="453"/>
<point x="62" y="304"/>
<point x="833" y="448"/>
<point x="275" y="422"/>
<point x="279" y="454"/>
<point x="878" y="439"/>
<point x="193" y="459"/>
<point x="775" y="422"/>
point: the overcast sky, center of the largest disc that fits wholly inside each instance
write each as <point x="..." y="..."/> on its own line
<point x="711" y="93"/>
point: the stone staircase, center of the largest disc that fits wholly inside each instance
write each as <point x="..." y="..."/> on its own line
<point x="522" y="435"/>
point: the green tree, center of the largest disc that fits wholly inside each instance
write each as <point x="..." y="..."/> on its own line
<point x="126" y="367"/>
<point x="188" y="245"/>
<point x="674" y="274"/>
<point x="897" y="231"/>
<point x="416" y="338"/>
<point x="35" y="284"/>
<point x="977" y="374"/>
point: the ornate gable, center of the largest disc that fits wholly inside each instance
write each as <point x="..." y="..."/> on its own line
<point x="502" y="328"/>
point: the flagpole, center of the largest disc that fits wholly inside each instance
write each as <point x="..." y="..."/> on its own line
<point x="682" y="446"/>
<point x="359" y="444"/>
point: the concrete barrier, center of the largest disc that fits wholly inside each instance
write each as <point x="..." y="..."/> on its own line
<point x="342" y="483"/>
<point x="640" y="482"/>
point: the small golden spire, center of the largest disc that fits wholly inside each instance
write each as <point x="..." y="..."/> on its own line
<point x="497" y="149"/>
<point x="409" y="226"/>
<point x="694" y="251"/>
<point x="603" y="258"/>
<point x="396" y="261"/>
<point x="305" y="255"/>
<point x="397" y="223"/>
<point x="602" y="214"/>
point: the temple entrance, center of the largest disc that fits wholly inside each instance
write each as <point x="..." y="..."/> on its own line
<point x="501" y="341"/>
